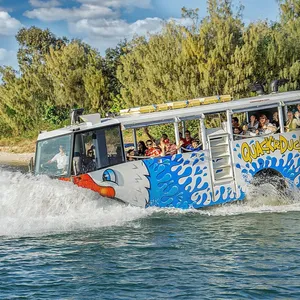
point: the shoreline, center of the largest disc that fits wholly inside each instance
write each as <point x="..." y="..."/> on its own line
<point x="15" y="158"/>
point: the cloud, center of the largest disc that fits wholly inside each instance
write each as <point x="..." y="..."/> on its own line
<point x="103" y="34"/>
<point x="98" y="22"/>
<point x="116" y="29"/>
<point x="8" y="58"/>
<point x="8" y="25"/>
<point x="8" y="9"/>
<point x="85" y="11"/>
<point x="89" y="9"/>
<point x="119" y="3"/>
<point x="39" y="3"/>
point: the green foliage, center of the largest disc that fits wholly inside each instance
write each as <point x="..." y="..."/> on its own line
<point x="55" y="115"/>
<point x="157" y="70"/>
<point x="35" y="42"/>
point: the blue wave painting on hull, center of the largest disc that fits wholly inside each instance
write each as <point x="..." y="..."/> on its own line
<point x="183" y="181"/>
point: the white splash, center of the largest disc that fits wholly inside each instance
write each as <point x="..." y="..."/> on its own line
<point x="31" y="205"/>
<point x="39" y="205"/>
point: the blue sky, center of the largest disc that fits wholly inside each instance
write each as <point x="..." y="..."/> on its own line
<point x="103" y="23"/>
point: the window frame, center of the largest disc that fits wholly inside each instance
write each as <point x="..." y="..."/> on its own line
<point x="71" y="134"/>
<point x="94" y="130"/>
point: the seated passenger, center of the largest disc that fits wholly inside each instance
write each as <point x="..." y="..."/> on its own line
<point x="291" y="123"/>
<point x="61" y="159"/>
<point x="187" y="140"/>
<point x="297" y="117"/>
<point x="180" y="137"/>
<point x="263" y="122"/>
<point x="141" y="148"/>
<point x="89" y="163"/>
<point x="275" y="120"/>
<point x="237" y="130"/>
<point x="245" y="130"/>
<point x="130" y="154"/>
<point x="168" y="148"/>
<point x="235" y="122"/>
<point x="151" y="150"/>
<point x="253" y="124"/>
<point x="195" y="146"/>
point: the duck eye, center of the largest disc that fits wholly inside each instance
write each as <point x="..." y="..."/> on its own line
<point x="109" y="175"/>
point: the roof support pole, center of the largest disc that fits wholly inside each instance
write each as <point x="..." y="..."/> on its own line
<point x="280" y="117"/>
<point x="183" y="128"/>
<point x="229" y="122"/>
<point x="176" y="129"/>
<point x="247" y="117"/>
<point x="203" y="132"/>
<point x="285" y="112"/>
<point x="134" y="139"/>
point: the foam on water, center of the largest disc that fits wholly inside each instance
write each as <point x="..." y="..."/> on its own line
<point x="31" y="205"/>
<point x="39" y="205"/>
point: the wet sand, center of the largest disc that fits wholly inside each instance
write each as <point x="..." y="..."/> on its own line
<point x="15" y="158"/>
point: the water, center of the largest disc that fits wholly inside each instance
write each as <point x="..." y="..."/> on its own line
<point x="58" y="241"/>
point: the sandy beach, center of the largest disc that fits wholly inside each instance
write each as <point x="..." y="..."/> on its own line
<point x="15" y="158"/>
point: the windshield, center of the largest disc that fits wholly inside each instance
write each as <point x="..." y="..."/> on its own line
<point x="53" y="155"/>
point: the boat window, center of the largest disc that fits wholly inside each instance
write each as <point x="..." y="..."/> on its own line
<point x="52" y="156"/>
<point x="97" y="149"/>
<point x="255" y="123"/>
<point x="292" y="117"/>
<point x="215" y="122"/>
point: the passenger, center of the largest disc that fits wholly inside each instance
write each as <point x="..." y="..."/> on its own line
<point x="89" y="163"/>
<point x="275" y="120"/>
<point x="291" y="123"/>
<point x="61" y="159"/>
<point x="141" y="148"/>
<point x="168" y="148"/>
<point x="91" y="152"/>
<point x="253" y="124"/>
<point x="245" y="130"/>
<point x="237" y="130"/>
<point x="164" y="136"/>
<point x="187" y="140"/>
<point x="130" y="155"/>
<point x="151" y="150"/>
<point x="195" y="146"/>
<point x="181" y="139"/>
<point x="235" y="122"/>
<point x="263" y="122"/>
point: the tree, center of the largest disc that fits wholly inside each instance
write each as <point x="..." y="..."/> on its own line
<point x="65" y="68"/>
<point x="111" y="63"/>
<point x="220" y="33"/>
<point x="96" y="84"/>
<point x="35" y="43"/>
<point x="157" y="70"/>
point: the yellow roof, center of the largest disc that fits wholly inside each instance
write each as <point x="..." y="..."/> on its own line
<point x="175" y="105"/>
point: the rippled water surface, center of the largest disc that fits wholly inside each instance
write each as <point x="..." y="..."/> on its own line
<point x="58" y="241"/>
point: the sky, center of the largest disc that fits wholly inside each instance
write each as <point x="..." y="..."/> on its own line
<point x="103" y="23"/>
